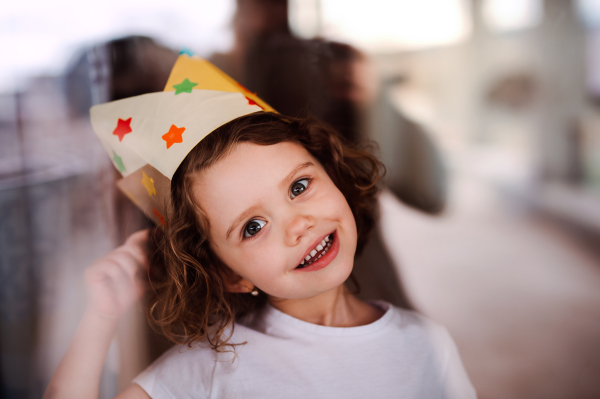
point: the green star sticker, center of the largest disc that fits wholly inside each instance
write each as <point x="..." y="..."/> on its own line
<point x="118" y="162"/>
<point x="184" y="87"/>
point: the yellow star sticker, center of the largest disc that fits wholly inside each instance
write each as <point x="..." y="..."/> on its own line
<point x="148" y="183"/>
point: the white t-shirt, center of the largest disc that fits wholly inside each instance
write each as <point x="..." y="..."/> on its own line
<point x="401" y="355"/>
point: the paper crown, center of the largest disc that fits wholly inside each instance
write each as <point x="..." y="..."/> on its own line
<point x="148" y="136"/>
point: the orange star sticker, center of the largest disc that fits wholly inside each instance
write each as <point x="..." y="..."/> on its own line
<point x="173" y="136"/>
<point x="123" y="128"/>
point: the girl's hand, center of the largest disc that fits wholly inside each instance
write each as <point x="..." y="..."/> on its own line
<point x="114" y="283"/>
<point x="118" y="279"/>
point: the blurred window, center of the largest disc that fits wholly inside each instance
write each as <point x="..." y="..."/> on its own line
<point x="383" y="25"/>
<point x="40" y="36"/>
<point x="512" y="15"/>
<point x="305" y="18"/>
<point x="589" y="12"/>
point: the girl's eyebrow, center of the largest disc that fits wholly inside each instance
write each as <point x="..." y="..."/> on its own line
<point x="284" y="183"/>
<point x="288" y="179"/>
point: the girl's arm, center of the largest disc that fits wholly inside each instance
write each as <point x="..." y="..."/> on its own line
<point x="114" y="282"/>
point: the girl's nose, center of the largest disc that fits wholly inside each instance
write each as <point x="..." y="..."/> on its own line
<point x="297" y="227"/>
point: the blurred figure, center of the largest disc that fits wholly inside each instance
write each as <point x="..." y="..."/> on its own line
<point x="60" y="209"/>
<point x="416" y="173"/>
<point x="312" y="77"/>
<point x="122" y="68"/>
<point x="253" y="21"/>
<point x="330" y="80"/>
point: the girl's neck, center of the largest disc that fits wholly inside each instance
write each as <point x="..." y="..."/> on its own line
<point x="335" y="308"/>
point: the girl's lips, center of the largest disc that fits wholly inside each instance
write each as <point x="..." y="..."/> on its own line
<point x="325" y="259"/>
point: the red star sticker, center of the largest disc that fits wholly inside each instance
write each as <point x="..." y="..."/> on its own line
<point x="252" y="102"/>
<point x="123" y="128"/>
<point x="173" y="135"/>
<point x="161" y="218"/>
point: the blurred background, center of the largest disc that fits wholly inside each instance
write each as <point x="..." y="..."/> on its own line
<point x="486" y="114"/>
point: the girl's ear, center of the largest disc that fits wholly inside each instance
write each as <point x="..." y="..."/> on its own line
<point x="234" y="282"/>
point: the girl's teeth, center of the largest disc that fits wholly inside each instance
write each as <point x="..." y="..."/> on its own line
<point x="323" y="246"/>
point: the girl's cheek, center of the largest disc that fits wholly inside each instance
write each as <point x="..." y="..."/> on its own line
<point x="334" y="202"/>
<point x="257" y="259"/>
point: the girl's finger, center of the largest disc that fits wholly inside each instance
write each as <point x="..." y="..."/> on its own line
<point x="114" y="269"/>
<point x="120" y="279"/>
<point x="139" y="237"/>
<point x="133" y="254"/>
<point x="129" y="263"/>
<point x="136" y="245"/>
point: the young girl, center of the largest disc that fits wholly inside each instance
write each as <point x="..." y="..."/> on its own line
<point x="248" y="278"/>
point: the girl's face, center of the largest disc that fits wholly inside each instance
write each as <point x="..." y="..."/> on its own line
<point x="269" y="207"/>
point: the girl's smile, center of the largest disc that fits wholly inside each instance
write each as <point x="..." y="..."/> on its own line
<point x="320" y="255"/>
<point x="277" y="220"/>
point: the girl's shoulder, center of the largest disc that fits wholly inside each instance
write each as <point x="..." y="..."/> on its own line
<point x="414" y="325"/>
<point x="175" y="367"/>
<point x="411" y="319"/>
<point x="183" y="369"/>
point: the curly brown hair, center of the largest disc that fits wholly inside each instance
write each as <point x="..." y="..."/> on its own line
<point x="190" y="301"/>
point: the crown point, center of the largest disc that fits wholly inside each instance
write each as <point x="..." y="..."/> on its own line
<point x="186" y="51"/>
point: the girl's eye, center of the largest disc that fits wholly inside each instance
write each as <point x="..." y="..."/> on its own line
<point x="298" y="188"/>
<point x="253" y="227"/>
